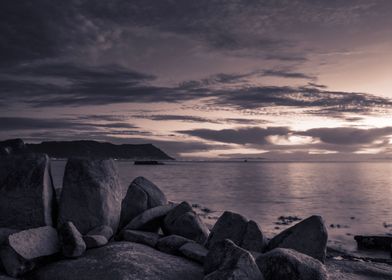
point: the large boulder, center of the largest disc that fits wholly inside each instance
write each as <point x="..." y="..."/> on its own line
<point x="225" y="260"/>
<point x="143" y="237"/>
<point x="24" y="249"/>
<point x="141" y="195"/>
<point x="183" y="221"/>
<point x="122" y="261"/>
<point x="91" y="194"/>
<point x="194" y="251"/>
<point x="171" y="244"/>
<point x="71" y="241"/>
<point x="151" y="219"/>
<point x="244" y="233"/>
<point x="308" y="237"/>
<point x="288" y="264"/>
<point x="374" y="242"/>
<point x="27" y="196"/>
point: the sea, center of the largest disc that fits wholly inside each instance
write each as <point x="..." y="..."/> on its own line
<point x="354" y="198"/>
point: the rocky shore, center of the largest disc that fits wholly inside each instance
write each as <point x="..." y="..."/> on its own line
<point x="94" y="231"/>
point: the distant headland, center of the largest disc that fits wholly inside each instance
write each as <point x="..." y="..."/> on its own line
<point x="85" y="148"/>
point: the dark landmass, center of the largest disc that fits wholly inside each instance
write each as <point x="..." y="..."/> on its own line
<point x="87" y="148"/>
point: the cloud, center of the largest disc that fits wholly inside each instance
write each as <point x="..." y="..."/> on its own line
<point x="248" y="135"/>
<point x="287" y="74"/>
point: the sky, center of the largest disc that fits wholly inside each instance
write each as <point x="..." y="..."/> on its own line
<point x="277" y="80"/>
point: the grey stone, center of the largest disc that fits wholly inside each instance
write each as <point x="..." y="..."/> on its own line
<point x="141" y="195"/>
<point x="71" y="241"/>
<point x="151" y="219"/>
<point x="143" y="237"/>
<point x="226" y="260"/>
<point x="357" y="270"/>
<point x="171" y="244"/>
<point x="5" y="277"/>
<point x="94" y="241"/>
<point x="308" y="237"/>
<point x="289" y="264"/>
<point x="183" y="221"/>
<point x="194" y="251"/>
<point x="91" y="194"/>
<point x="253" y="238"/>
<point x="23" y="249"/>
<point x="229" y="226"/>
<point x="122" y="261"/>
<point x="374" y="242"/>
<point x="27" y="196"/>
<point x="103" y="230"/>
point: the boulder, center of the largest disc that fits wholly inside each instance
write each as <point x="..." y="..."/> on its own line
<point x="27" y="196"/>
<point x="91" y="194"/>
<point x="122" y="261"/>
<point x="229" y="226"/>
<point x="289" y="264"/>
<point x="71" y="241"/>
<point x="183" y="221"/>
<point x="308" y="237"/>
<point x="374" y="242"/>
<point x="194" y="251"/>
<point x="24" y="249"/>
<point x="143" y="237"/>
<point x="254" y="239"/>
<point x="171" y="244"/>
<point x="225" y="260"/>
<point x="141" y="195"/>
<point x="5" y="277"/>
<point x="103" y="230"/>
<point x="151" y="219"/>
<point x="93" y="241"/>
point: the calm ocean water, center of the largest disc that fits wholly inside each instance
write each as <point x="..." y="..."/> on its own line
<point x="357" y="196"/>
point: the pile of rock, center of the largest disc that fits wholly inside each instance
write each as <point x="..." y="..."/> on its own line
<point x="35" y="230"/>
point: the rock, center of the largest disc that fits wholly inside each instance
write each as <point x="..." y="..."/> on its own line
<point x="374" y="242"/>
<point x="225" y="260"/>
<point x="5" y="232"/>
<point x="254" y="239"/>
<point x="308" y="237"/>
<point x="93" y="241"/>
<point x="143" y="237"/>
<point x="141" y="195"/>
<point x="357" y="270"/>
<point x="5" y="277"/>
<point x="289" y="264"/>
<point x="103" y="230"/>
<point x="229" y="226"/>
<point x="194" y="251"/>
<point x="122" y="261"/>
<point x="71" y="241"/>
<point x="13" y="146"/>
<point x="183" y="221"/>
<point x="171" y="244"/>
<point x="91" y="194"/>
<point x="150" y="219"/>
<point x="5" y="151"/>
<point x="27" y="196"/>
<point x="24" y="249"/>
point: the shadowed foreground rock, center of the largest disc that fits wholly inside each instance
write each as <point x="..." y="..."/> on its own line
<point x="71" y="241"/>
<point x="374" y="242"/>
<point x="238" y="229"/>
<point x="23" y="250"/>
<point x="308" y="237"/>
<point x="122" y="261"/>
<point x="225" y="261"/>
<point x="288" y="264"/>
<point x="183" y="221"/>
<point x="91" y="194"/>
<point x="27" y="196"/>
<point x="141" y="195"/>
